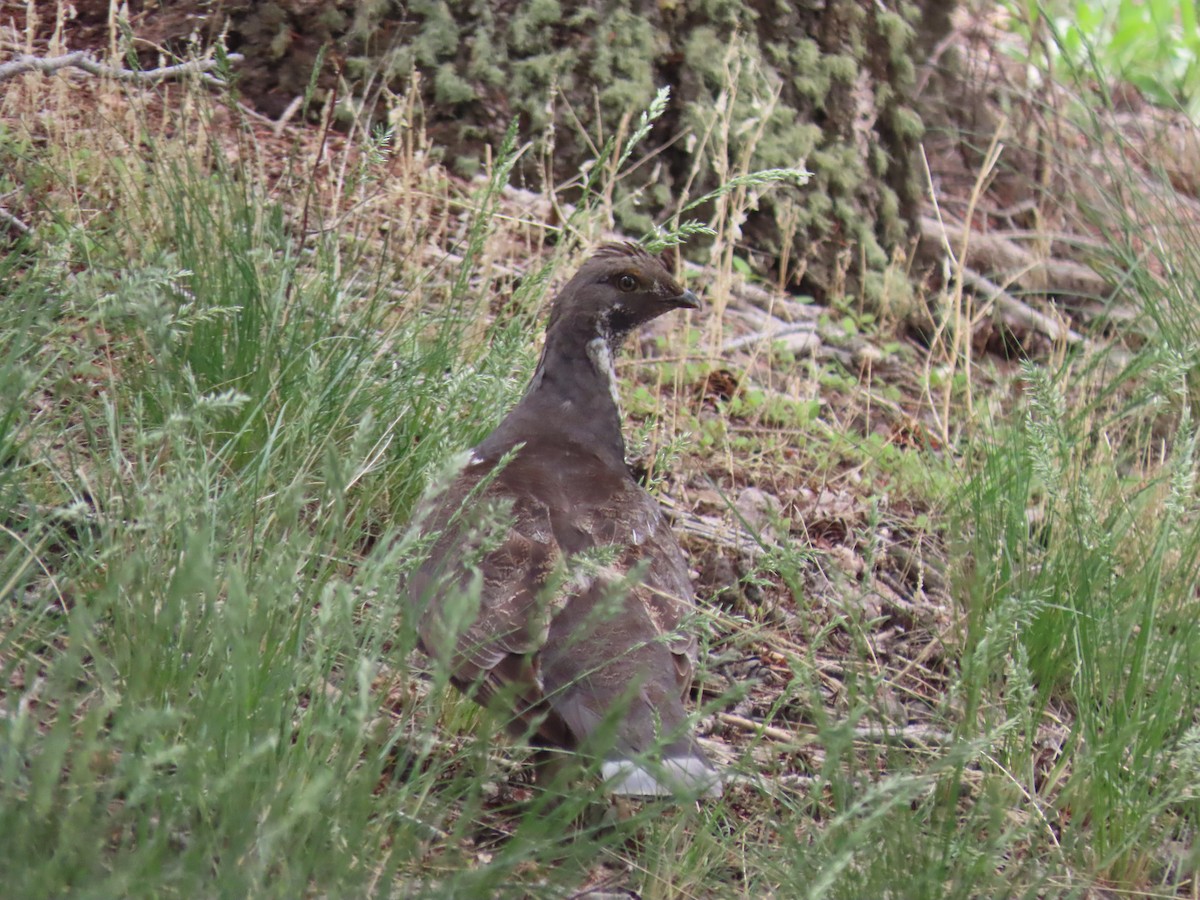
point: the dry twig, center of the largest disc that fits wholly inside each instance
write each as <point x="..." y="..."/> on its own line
<point x="996" y="254"/>
<point x="13" y="222"/>
<point x="80" y="59"/>
<point x="1017" y="314"/>
<point x="911" y="735"/>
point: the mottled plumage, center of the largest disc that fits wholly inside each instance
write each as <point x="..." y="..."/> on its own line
<point x="581" y="599"/>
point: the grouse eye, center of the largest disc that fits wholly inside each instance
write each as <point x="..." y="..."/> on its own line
<point x="627" y="283"/>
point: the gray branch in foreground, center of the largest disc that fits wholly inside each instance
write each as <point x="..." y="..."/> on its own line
<point x="9" y="219"/>
<point x="80" y="59"/>
<point x="1022" y="315"/>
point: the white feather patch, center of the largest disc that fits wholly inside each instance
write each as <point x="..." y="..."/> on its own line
<point x="600" y="354"/>
<point x="684" y="774"/>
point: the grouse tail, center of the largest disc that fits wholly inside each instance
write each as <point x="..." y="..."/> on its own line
<point x="682" y="771"/>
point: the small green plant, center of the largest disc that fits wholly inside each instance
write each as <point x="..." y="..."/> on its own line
<point x="1151" y="44"/>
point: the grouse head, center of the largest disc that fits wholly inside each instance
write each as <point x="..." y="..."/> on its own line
<point x="573" y="392"/>
<point x="618" y="289"/>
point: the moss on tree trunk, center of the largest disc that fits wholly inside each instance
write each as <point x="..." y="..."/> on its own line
<point x="824" y="85"/>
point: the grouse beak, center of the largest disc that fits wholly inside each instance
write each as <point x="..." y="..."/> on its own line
<point x="686" y="300"/>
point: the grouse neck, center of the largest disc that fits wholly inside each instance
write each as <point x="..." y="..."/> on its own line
<point x="574" y="389"/>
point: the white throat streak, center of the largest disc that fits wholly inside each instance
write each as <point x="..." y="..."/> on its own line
<point x="601" y="356"/>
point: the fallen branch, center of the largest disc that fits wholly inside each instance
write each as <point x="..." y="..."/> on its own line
<point x="775" y="334"/>
<point x="910" y="735"/>
<point x="774" y="303"/>
<point x="1018" y="315"/>
<point x="710" y="529"/>
<point x="80" y="59"/>
<point x="996" y="254"/>
<point x="749" y="725"/>
<point x="13" y="222"/>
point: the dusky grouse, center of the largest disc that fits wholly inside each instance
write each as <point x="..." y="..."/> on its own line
<point x="580" y="601"/>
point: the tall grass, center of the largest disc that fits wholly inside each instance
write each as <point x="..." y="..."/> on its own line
<point x="204" y="548"/>
<point x="214" y="431"/>
<point x="1082" y="558"/>
<point x="215" y="435"/>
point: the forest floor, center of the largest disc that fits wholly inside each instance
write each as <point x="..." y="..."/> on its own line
<point x="820" y="462"/>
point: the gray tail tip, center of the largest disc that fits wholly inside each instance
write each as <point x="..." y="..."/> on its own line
<point x="661" y="778"/>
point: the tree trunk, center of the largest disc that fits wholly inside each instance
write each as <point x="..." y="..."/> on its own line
<point x="756" y="84"/>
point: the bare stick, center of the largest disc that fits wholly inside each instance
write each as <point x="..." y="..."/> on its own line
<point x="775" y="334"/>
<point x="13" y="221"/>
<point x="996" y="254"/>
<point x="1019" y="314"/>
<point x="911" y="735"/>
<point x="81" y="60"/>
